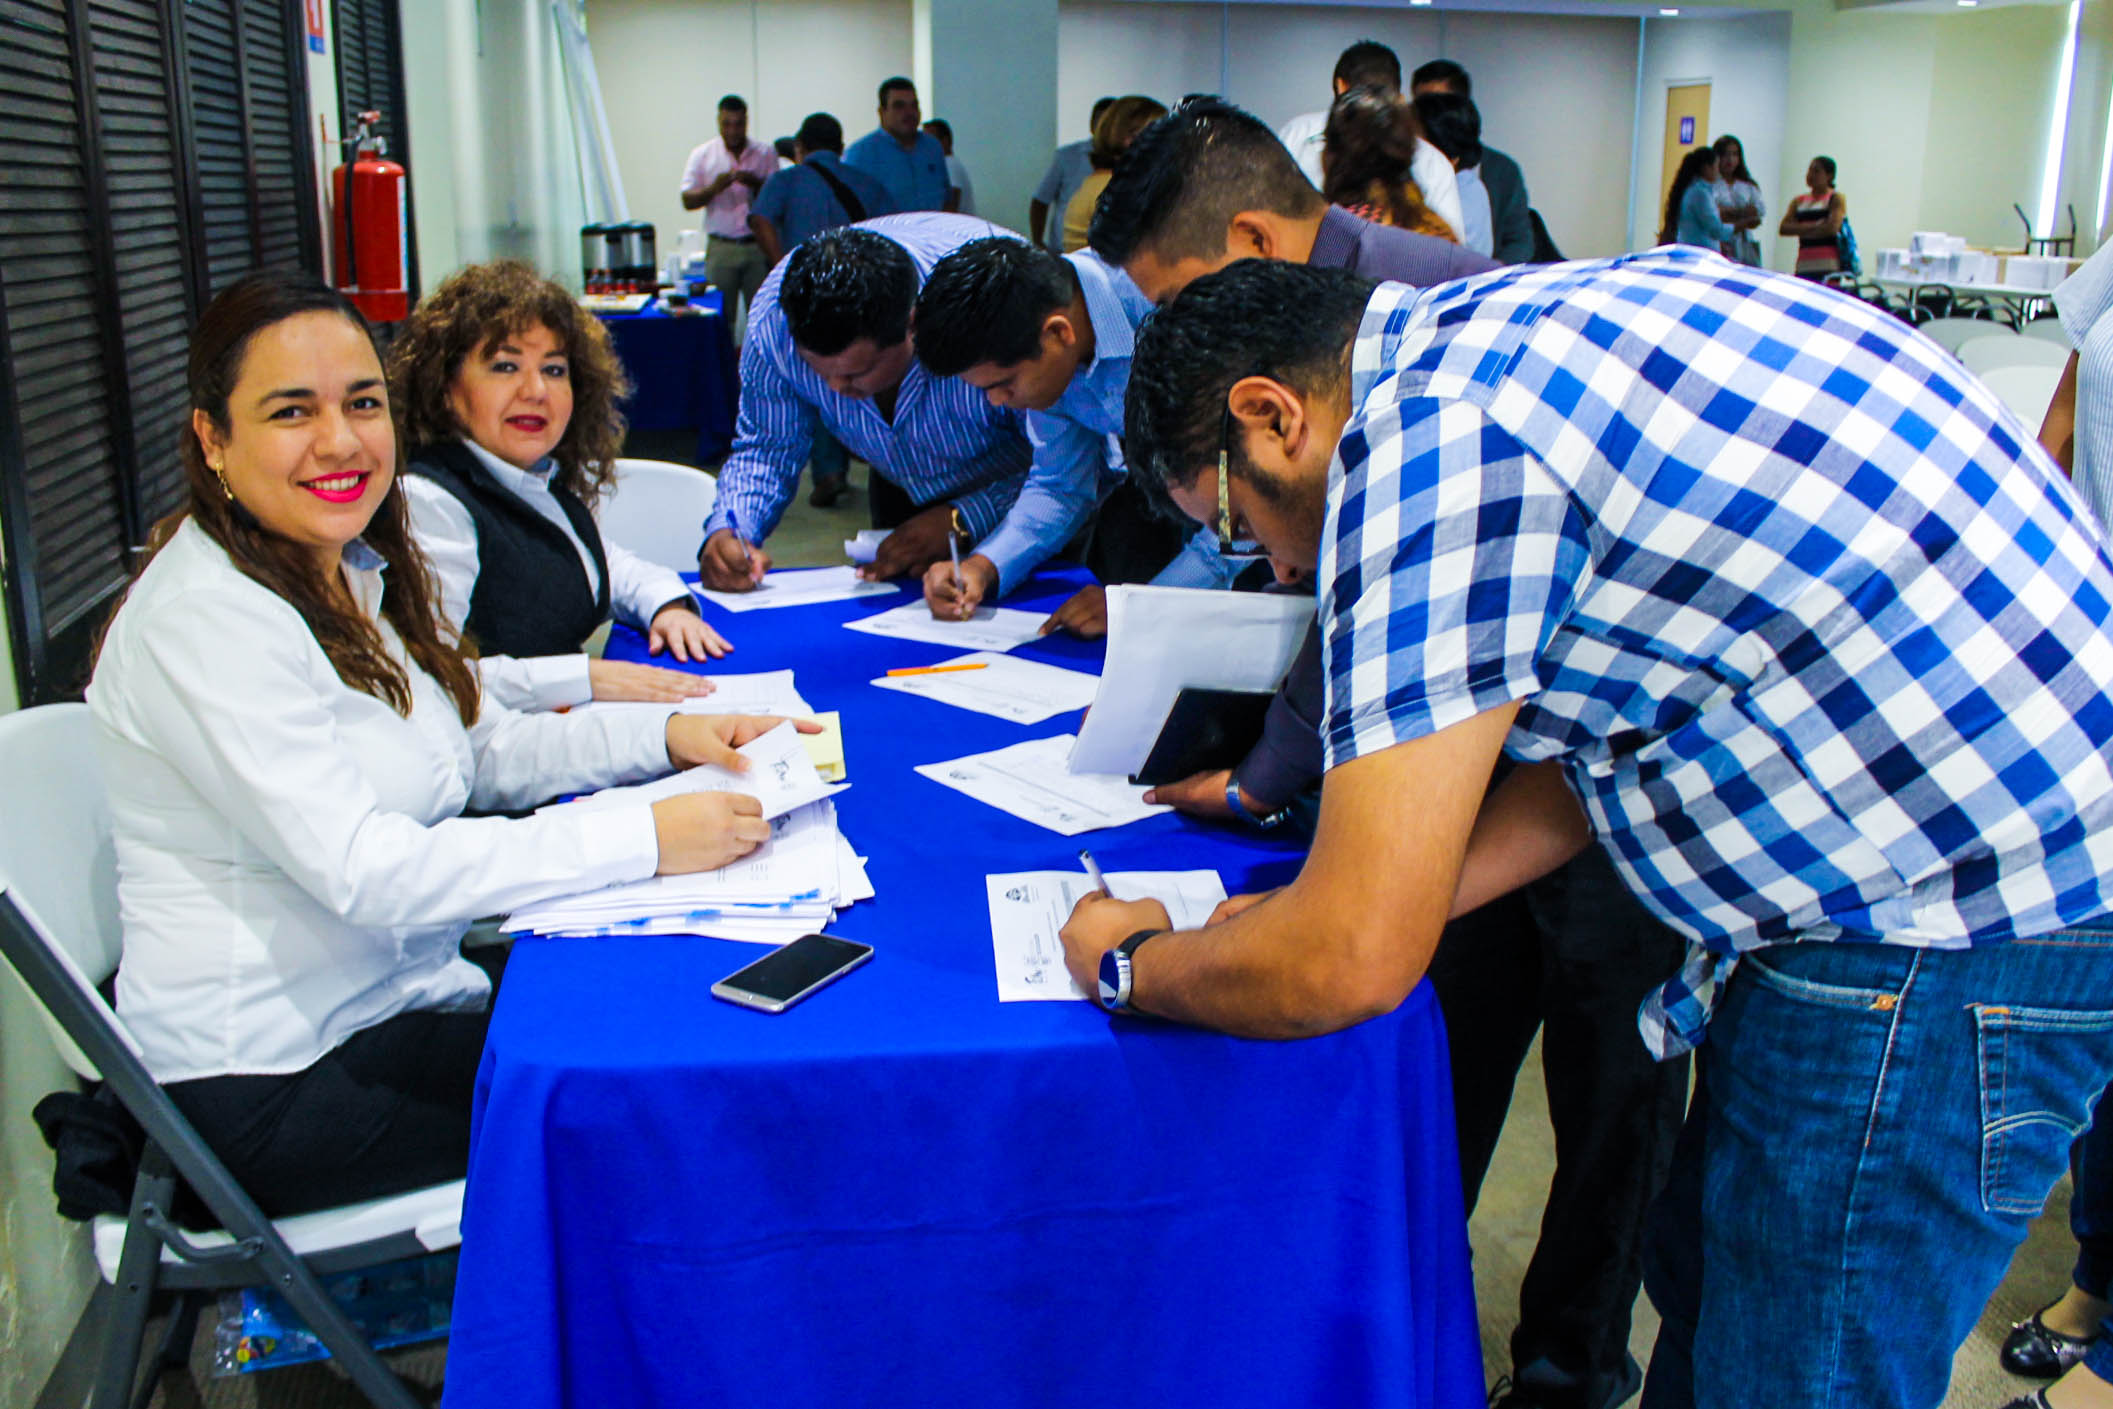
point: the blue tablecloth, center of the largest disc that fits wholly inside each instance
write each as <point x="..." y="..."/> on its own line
<point x="683" y="372"/>
<point x="904" y="1193"/>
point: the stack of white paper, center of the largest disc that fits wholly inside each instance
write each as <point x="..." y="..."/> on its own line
<point x="799" y="587"/>
<point x="1033" y="783"/>
<point x="791" y="885"/>
<point x="1028" y="908"/>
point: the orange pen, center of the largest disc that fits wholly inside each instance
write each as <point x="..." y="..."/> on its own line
<point x="938" y="669"/>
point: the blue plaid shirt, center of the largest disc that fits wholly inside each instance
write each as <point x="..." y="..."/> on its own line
<point x="1817" y="631"/>
<point x="946" y="442"/>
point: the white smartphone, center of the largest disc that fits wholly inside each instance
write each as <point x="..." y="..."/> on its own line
<point x="778" y="980"/>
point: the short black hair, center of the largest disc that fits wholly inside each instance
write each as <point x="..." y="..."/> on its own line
<point x="1256" y="317"/>
<point x="1826" y="164"/>
<point x="985" y="302"/>
<point x="889" y="85"/>
<point x="1445" y="72"/>
<point x="733" y="103"/>
<point x="783" y="146"/>
<point x="1454" y="126"/>
<point x="1185" y="178"/>
<point x="821" y="133"/>
<point x="1368" y="64"/>
<point x="1100" y="105"/>
<point x="942" y="129"/>
<point x="845" y="284"/>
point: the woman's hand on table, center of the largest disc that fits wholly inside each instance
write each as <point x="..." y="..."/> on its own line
<point x="684" y="635"/>
<point x="627" y="680"/>
<point x="695" y="739"/>
<point x="1086" y="614"/>
<point x="704" y="831"/>
<point x="1236" y="904"/>
<point x="1098" y="924"/>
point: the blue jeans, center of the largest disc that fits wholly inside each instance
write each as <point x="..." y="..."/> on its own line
<point x="1872" y="1128"/>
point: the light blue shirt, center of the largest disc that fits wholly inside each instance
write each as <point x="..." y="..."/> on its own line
<point x="1068" y="171"/>
<point x="915" y="176"/>
<point x="1699" y="222"/>
<point x="945" y="442"/>
<point x="1077" y="442"/>
<point x="800" y="203"/>
<point x="1479" y="235"/>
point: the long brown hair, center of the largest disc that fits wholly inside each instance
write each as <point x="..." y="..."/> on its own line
<point x="1689" y="173"/>
<point x="476" y="307"/>
<point x="219" y="345"/>
<point x="1366" y="152"/>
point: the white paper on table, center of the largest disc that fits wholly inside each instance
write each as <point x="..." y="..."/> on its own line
<point x="1024" y="691"/>
<point x="1027" y="908"/>
<point x="780" y="776"/>
<point x="988" y="629"/>
<point x="1032" y="782"/>
<point x="865" y="547"/>
<point x="1163" y="640"/>
<point x="798" y="587"/>
<point x="763" y="692"/>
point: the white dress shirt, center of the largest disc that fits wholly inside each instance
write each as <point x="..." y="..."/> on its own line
<point x="1477" y="233"/>
<point x="292" y="864"/>
<point x="1433" y="174"/>
<point x="448" y="535"/>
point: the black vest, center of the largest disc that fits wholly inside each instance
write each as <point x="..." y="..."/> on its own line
<point x="531" y="596"/>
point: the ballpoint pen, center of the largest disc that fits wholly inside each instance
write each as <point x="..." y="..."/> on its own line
<point x="1093" y="870"/>
<point x="953" y="552"/>
<point x="748" y="559"/>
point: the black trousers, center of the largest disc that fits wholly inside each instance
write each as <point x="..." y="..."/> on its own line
<point x="1571" y="955"/>
<point x="386" y="1111"/>
<point x="889" y="503"/>
<point x="1129" y="541"/>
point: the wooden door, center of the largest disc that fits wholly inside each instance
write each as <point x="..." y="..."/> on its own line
<point x="1686" y="128"/>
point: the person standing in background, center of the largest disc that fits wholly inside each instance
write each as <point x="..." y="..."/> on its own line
<point x="721" y="179"/>
<point x="1451" y="124"/>
<point x="1691" y="205"/>
<point x="1510" y="208"/>
<point x="1739" y="202"/>
<point x="1815" y="220"/>
<point x="956" y="171"/>
<point x="1112" y="135"/>
<point x="909" y="162"/>
<point x="1372" y="135"/>
<point x="1370" y="64"/>
<point x="1068" y="170"/>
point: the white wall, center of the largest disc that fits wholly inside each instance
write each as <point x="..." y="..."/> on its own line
<point x="495" y="168"/>
<point x="665" y="65"/>
<point x="1746" y="62"/>
<point x="982" y="57"/>
<point x="1557" y="92"/>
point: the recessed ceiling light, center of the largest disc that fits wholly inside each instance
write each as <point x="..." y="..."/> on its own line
<point x="1968" y="4"/>
<point x="1419" y="3"/>
<point x="1670" y="14"/>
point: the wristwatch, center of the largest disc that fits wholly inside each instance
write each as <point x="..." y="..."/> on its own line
<point x="1238" y="805"/>
<point x="958" y="526"/>
<point x="1114" y="982"/>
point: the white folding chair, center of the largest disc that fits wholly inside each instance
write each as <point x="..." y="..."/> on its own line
<point x="2049" y="330"/>
<point x="2025" y="390"/>
<point x="657" y="510"/>
<point x="1949" y="333"/>
<point x="59" y="931"/>
<point x="1984" y="355"/>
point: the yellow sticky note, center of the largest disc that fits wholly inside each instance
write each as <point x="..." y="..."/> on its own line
<point x="827" y="747"/>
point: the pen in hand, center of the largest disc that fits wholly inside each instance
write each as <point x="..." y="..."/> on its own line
<point x="953" y="552"/>
<point x="1093" y="872"/>
<point x="748" y="559"/>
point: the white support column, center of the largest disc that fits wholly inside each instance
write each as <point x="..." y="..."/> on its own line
<point x="989" y="67"/>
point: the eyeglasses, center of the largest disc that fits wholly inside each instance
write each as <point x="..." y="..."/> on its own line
<point x="1225" y="482"/>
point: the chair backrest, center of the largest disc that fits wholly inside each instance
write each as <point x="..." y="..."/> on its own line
<point x="2010" y="350"/>
<point x="1949" y="333"/>
<point x="2048" y="330"/>
<point x="2025" y="390"/>
<point x="56" y="860"/>
<point x="657" y="510"/>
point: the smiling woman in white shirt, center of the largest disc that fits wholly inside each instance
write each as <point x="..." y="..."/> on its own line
<point x="289" y="734"/>
<point x="507" y="392"/>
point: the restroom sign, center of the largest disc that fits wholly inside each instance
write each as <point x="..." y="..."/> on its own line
<point x="1687" y="124"/>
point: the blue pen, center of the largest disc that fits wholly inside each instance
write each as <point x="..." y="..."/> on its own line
<point x="733" y="526"/>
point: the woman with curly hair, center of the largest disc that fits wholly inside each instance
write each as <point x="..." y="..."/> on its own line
<point x="1366" y="152"/>
<point x="507" y="393"/>
<point x="290" y="734"/>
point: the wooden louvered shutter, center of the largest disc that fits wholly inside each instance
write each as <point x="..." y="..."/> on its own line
<point x="251" y="145"/>
<point x="370" y="79"/>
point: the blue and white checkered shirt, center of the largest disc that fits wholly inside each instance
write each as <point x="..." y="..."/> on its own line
<point x="1078" y="454"/>
<point x="1818" y="632"/>
<point x="945" y="442"/>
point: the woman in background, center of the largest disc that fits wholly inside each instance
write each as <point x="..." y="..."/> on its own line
<point x="1113" y="132"/>
<point x="289" y="735"/>
<point x="1453" y="125"/>
<point x="1815" y="219"/>
<point x="1739" y="202"/>
<point x="508" y="395"/>
<point x="1691" y="208"/>
<point x="1366" y="154"/>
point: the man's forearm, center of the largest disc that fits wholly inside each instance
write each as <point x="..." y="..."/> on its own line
<point x="1530" y="825"/>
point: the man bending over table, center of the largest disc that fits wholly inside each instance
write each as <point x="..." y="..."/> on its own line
<point x="1760" y="591"/>
<point x="828" y="347"/>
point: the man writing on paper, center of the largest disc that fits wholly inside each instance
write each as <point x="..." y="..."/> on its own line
<point x="830" y="348"/>
<point x="1049" y="335"/>
<point x="1761" y="591"/>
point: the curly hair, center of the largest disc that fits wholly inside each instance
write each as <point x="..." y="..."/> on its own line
<point x="477" y="306"/>
<point x="219" y="346"/>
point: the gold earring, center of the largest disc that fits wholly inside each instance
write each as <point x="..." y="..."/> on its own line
<point x="222" y="474"/>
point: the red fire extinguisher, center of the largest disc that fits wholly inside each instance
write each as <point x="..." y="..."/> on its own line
<point x="369" y="257"/>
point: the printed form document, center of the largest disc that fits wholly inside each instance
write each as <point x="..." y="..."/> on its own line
<point x="1028" y="908"/>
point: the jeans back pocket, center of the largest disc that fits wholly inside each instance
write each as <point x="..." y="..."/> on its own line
<point x="2042" y="1070"/>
